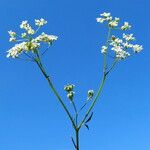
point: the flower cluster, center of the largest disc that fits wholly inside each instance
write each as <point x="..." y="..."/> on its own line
<point x="40" y="22"/>
<point x="45" y="38"/>
<point x="119" y="46"/>
<point x="12" y="36"/>
<point x="28" y="40"/>
<point x="69" y="89"/>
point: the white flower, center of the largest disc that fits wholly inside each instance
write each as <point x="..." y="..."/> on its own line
<point x="16" y="50"/>
<point x="24" y="24"/>
<point x="30" y="43"/>
<point x="137" y="48"/>
<point x="103" y="49"/>
<point x="30" y="31"/>
<point x="126" y="26"/>
<point x="128" y="37"/>
<point x="46" y="38"/>
<point x="127" y="45"/>
<point x="120" y="53"/>
<point x="100" y="20"/>
<point x="40" y="22"/>
<point x="105" y="15"/>
<point x="23" y="35"/>
<point x="117" y="19"/>
<point x="11" y="33"/>
<point x="114" y="23"/>
<point x="12" y="39"/>
<point x="115" y="41"/>
<point x="27" y="27"/>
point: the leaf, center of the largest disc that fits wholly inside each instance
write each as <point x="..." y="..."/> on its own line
<point x="89" y="118"/>
<point x="73" y="142"/>
<point x="83" y="106"/>
<point x="86" y="126"/>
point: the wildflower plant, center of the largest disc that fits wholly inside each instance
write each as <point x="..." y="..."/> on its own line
<point x="29" y="47"/>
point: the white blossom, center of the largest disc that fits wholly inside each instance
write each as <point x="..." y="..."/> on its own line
<point x="127" y="45"/>
<point x="23" y="35"/>
<point x="28" y="42"/>
<point x="120" y="46"/>
<point x="100" y="20"/>
<point x="15" y="51"/>
<point x="12" y="39"/>
<point x="40" y="22"/>
<point x="115" y="41"/>
<point x="46" y="38"/>
<point x="24" y="25"/>
<point x="11" y="33"/>
<point x="120" y="53"/>
<point x="105" y="15"/>
<point x="103" y="49"/>
<point x="128" y="37"/>
<point x="137" y="48"/>
<point x="125" y="26"/>
<point x="114" y="23"/>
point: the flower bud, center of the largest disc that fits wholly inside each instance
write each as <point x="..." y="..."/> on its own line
<point x="69" y="87"/>
<point x="90" y="94"/>
<point x="24" y="35"/>
<point x="70" y="95"/>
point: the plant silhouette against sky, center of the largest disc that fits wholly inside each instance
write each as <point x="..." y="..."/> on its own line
<point x="31" y="46"/>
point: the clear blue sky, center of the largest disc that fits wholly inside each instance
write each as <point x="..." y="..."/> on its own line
<point x="30" y="116"/>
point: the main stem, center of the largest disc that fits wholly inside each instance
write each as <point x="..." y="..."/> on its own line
<point x="77" y="139"/>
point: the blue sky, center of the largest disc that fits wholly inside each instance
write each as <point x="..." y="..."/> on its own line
<point x="30" y="116"/>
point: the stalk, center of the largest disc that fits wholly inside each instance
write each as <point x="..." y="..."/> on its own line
<point x="38" y="62"/>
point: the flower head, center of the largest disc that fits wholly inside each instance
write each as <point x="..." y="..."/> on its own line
<point x="12" y="33"/>
<point x="28" y="42"/>
<point x="121" y="47"/>
<point x="40" y="22"/>
<point x="128" y="37"/>
<point x="103" y="49"/>
<point x="125" y="26"/>
<point x="137" y="48"/>
<point x="46" y="38"/>
<point x="104" y="17"/>
<point x="25" y="25"/>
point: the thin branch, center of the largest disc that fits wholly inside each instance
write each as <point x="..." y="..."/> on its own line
<point x="31" y="57"/>
<point x="24" y="59"/>
<point x="45" y="50"/>
<point x="39" y="63"/>
<point x="102" y="82"/>
<point x="73" y="142"/>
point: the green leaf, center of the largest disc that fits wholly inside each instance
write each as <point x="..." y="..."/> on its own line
<point x="73" y="142"/>
<point x="89" y="118"/>
<point x="86" y="126"/>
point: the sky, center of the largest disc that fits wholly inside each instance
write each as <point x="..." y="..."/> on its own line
<point x="30" y="115"/>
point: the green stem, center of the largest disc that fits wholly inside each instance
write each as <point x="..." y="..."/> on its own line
<point x="102" y="82"/>
<point x="94" y="101"/>
<point x="112" y="66"/>
<point x="76" y="113"/>
<point x="38" y="61"/>
<point x="77" y="139"/>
